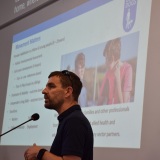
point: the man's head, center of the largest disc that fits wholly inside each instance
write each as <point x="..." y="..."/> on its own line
<point x="61" y="86"/>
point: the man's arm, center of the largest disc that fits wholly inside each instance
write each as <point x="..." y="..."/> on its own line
<point x="32" y="152"/>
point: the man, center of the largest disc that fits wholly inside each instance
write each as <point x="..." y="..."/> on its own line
<point x="74" y="138"/>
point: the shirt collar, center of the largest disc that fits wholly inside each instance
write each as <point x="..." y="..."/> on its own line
<point x="68" y="112"/>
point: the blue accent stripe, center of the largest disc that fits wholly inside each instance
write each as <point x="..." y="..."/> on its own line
<point x="85" y="7"/>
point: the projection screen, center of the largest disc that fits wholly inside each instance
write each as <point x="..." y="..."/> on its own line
<point x="51" y="38"/>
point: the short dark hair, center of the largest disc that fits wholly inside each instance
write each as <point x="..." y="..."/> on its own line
<point x="113" y="48"/>
<point x="68" y="78"/>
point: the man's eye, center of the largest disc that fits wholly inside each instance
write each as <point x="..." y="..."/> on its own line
<point x="51" y="86"/>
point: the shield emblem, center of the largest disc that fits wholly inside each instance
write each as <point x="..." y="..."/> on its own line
<point x="129" y="16"/>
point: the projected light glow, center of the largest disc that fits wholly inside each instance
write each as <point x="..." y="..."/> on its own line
<point x="54" y="45"/>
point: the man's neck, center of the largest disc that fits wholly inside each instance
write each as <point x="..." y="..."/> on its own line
<point x="66" y="106"/>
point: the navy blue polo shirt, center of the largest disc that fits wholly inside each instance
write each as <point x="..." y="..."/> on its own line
<point x="74" y="135"/>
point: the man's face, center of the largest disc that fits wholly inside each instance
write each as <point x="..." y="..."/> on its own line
<point x="53" y="94"/>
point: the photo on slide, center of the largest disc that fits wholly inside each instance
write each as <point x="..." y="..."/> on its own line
<point x="103" y="69"/>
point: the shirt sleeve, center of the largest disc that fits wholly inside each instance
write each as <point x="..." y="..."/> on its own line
<point x="74" y="138"/>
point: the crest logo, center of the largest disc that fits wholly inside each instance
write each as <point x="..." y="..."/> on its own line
<point x="129" y="16"/>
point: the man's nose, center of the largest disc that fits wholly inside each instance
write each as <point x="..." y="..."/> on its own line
<point x="44" y="91"/>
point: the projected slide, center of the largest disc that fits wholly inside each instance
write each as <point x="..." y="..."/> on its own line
<point x="85" y="40"/>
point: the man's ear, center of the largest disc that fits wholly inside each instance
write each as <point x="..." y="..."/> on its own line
<point x="68" y="91"/>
